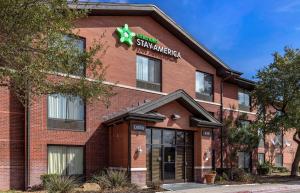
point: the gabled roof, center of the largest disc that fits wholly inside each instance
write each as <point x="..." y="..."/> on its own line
<point x="147" y="110"/>
<point x="120" y="9"/>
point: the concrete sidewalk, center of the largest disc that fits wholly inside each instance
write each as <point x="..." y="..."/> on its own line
<point x="245" y="188"/>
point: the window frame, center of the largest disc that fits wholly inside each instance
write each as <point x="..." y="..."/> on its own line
<point x="147" y="82"/>
<point x="264" y="155"/>
<point x="84" y="49"/>
<point x="66" y="123"/>
<point x="263" y="138"/>
<point x="281" y="165"/>
<point x="244" y="160"/>
<point x="242" y="120"/>
<point x="244" y="107"/>
<point x="281" y="140"/>
<point x="68" y="146"/>
<point x="212" y="85"/>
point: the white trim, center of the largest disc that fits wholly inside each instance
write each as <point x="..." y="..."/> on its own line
<point x="138" y="169"/>
<point x="208" y="102"/>
<point x="131" y="169"/>
<point x="236" y="110"/>
<point x="118" y="168"/>
<point x="148" y="91"/>
<point x="134" y="88"/>
<point x="202" y="167"/>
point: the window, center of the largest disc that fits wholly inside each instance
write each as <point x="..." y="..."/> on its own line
<point x="204" y="86"/>
<point x="244" y="160"/>
<point x="65" y="112"/>
<point x="65" y="160"/>
<point x="278" y="160"/>
<point x="79" y="44"/>
<point x="244" y="124"/>
<point x="244" y="100"/>
<point x="278" y="140"/>
<point x="261" y="142"/>
<point x="148" y="73"/>
<point x="261" y="158"/>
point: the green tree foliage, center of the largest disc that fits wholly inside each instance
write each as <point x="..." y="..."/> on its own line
<point x="37" y="57"/>
<point x="239" y="137"/>
<point x="277" y="96"/>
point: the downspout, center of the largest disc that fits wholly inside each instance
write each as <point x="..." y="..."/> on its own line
<point x="221" y="120"/>
<point x="129" y="151"/>
<point x="27" y="144"/>
<point x="222" y="115"/>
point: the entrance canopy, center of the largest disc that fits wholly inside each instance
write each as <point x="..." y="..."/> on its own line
<point x="146" y="112"/>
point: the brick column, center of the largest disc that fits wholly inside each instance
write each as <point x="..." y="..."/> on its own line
<point x="138" y="159"/>
<point x="203" y="155"/>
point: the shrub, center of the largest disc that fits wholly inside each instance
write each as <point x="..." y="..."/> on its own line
<point x="225" y="176"/>
<point x="45" y="178"/>
<point x="240" y="175"/>
<point x="111" y="179"/>
<point x="279" y="169"/>
<point x="222" y="178"/>
<point x="60" y="184"/>
<point x="156" y="185"/>
<point x="264" y="168"/>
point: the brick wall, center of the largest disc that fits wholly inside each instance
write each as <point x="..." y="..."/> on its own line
<point x="11" y="141"/>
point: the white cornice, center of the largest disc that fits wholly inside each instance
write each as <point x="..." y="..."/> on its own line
<point x="240" y="111"/>
<point x="148" y="91"/>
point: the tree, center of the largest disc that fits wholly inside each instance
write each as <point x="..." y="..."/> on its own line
<point x="239" y="136"/>
<point x="277" y="96"/>
<point x="38" y="52"/>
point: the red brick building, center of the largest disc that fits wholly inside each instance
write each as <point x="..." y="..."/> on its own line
<point x="164" y="123"/>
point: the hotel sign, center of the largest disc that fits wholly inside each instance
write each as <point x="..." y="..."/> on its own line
<point x="127" y="36"/>
<point x="139" y="127"/>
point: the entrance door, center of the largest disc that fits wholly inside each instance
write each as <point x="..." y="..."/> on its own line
<point x="169" y="163"/>
<point x="169" y="155"/>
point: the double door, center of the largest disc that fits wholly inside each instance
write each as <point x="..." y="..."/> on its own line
<point x="169" y="155"/>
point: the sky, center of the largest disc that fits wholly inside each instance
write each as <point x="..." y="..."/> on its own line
<point x="243" y="33"/>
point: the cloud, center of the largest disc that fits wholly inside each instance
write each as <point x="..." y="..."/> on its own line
<point x="223" y="23"/>
<point x="290" y="6"/>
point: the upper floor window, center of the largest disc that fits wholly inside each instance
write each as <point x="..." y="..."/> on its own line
<point x="65" y="112"/>
<point x="244" y="124"/>
<point x="278" y="140"/>
<point x="204" y="86"/>
<point x="244" y="100"/>
<point x="77" y="44"/>
<point x="148" y="73"/>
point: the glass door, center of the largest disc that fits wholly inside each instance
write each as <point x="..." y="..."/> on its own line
<point x="169" y="163"/>
<point x="169" y="155"/>
<point x="169" y="150"/>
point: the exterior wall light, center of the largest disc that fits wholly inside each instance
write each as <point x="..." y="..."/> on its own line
<point x="139" y="150"/>
<point x="207" y="155"/>
<point x="175" y="116"/>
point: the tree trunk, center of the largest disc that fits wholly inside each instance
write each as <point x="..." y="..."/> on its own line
<point x="295" y="165"/>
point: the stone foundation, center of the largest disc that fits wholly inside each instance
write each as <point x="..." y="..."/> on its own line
<point x="138" y="178"/>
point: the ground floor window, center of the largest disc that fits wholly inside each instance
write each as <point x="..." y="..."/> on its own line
<point x="65" y="160"/>
<point x="278" y="160"/>
<point x="261" y="158"/>
<point x="244" y="159"/>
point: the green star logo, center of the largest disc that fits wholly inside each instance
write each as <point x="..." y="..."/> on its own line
<point x="126" y="35"/>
